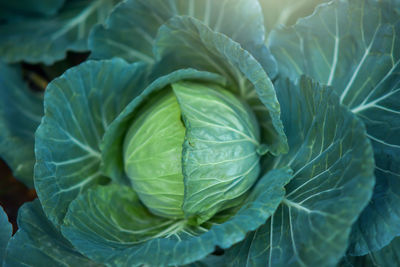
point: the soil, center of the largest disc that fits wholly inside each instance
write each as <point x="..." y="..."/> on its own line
<point x="13" y="194"/>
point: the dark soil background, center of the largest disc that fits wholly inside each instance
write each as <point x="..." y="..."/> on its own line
<point x="13" y="194"/>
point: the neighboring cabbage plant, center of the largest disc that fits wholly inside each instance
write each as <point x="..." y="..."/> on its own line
<point x="43" y="31"/>
<point x="36" y="32"/>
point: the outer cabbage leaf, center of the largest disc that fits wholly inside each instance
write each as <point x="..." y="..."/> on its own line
<point x="37" y="39"/>
<point x="21" y="110"/>
<point x="110" y="235"/>
<point x="186" y="42"/>
<point x="79" y="106"/>
<point x="354" y="46"/>
<point x="5" y="233"/>
<point x="333" y="179"/>
<point x="220" y="162"/>
<point x="127" y="222"/>
<point x="131" y="29"/>
<point x="41" y="7"/>
<point x="38" y="243"/>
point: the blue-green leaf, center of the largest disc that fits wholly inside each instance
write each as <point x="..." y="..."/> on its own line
<point x="333" y="179"/>
<point x="126" y="222"/>
<point x="131" y="29"/>
<point x="21" y="110"/>
<point x="186" y="42"/>
<point x="5" y="233"/>
<point x="38" y="243"/>
<point x="36" y="39"/>
<point x="79" y="106"/>
<point x="40" y="7"/>
<point x="355" y="47"/>
<point x="112" y="235"/>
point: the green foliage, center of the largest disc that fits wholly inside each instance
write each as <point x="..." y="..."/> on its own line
<point x="37" y="242"/>
<point x="354" y="46"/>
<point x="333" y="168"/>
<point x="174" y="244"/>
<point x="264" y="131"/>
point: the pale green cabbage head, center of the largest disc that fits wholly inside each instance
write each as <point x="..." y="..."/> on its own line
<point x="192" y="149"/>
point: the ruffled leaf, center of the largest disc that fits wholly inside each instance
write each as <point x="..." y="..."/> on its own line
<point x="110" y="235"/>
<point x="333" y="179"/>
<point x="39" y="7"/>
<point x="38" y="243"/>
<point x="355" y="47"/>
<point x="79" y="107"/>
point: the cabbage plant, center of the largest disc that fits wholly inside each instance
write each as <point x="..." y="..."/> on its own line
<point x="192" y="132"/>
